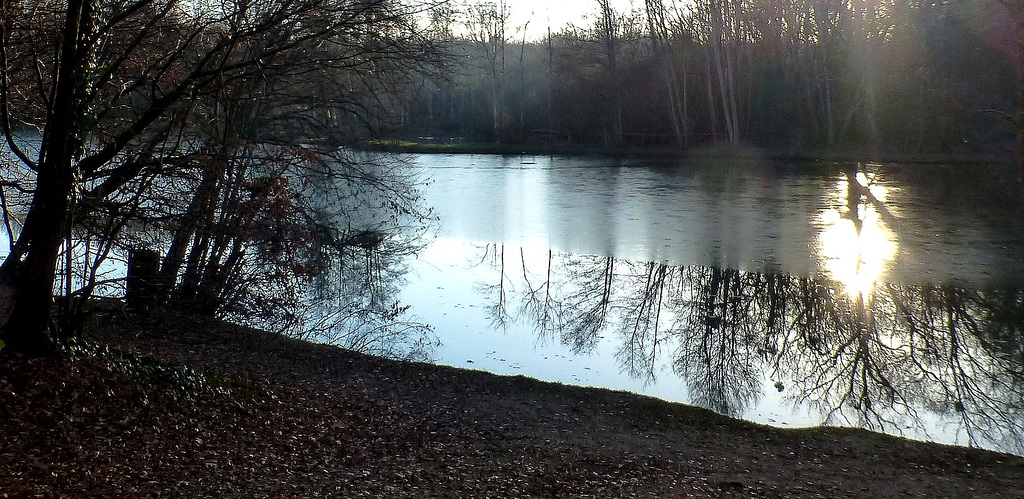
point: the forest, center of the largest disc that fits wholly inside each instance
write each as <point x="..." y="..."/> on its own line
<point x="206" y="258"/>
<point x="874" y="76"/>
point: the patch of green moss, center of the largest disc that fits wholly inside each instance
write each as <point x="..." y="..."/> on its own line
<point x="180" y="381"/>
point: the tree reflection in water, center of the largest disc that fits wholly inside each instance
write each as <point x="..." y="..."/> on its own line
<point x="860" y="350"/>
<point x="587" y="303"/>
<point x="494" y="256"/>
<point x="717" y="347"/>
<point x="884" y="364"/>
<point x="359" y="310"/>
<point x="640" y="318"/>
<point x="538" y="303"/>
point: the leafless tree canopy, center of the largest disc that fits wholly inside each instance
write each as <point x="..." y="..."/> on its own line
<point x="797" y="75"/>
<point x="211" y="130"/>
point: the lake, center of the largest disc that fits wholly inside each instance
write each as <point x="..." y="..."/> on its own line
<point x="883" y="296"/>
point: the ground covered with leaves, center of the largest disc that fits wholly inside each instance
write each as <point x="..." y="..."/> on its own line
<point x="187" y="407"/>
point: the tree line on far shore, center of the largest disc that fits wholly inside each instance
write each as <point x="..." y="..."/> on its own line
<point x="879" y="76"/>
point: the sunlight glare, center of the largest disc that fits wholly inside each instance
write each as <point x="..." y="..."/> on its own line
<point x="855" y="243"/>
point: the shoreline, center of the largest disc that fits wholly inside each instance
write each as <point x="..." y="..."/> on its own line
<point x="179" y="405"/>
<point x="713" y="151"/>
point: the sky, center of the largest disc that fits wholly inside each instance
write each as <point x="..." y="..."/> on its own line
<point x="556" y="13"/>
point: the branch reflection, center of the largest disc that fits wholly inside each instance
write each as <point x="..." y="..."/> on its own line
<point x="718" y="348"/>
<point x="497" y="310"/>
<point x="588" y="303"/>
<point x="904" y="358"/>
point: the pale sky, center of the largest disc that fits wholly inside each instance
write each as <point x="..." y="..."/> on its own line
<point x="556" y="13"/>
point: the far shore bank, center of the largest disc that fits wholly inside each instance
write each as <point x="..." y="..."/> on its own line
<point x="696" y="152"/>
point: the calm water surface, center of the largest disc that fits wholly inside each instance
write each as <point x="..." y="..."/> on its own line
<point x="889" y="297"/>
<point x="881" y="296"/>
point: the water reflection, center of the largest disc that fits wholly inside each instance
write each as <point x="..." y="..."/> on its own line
<point x="857" y="223"/>
<point x="359" y="308"/>
<point x="909" y="355"/>
<point x="855" y="294"/>
<point x="857" y="245"/>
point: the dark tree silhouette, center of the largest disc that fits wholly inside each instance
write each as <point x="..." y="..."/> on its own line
<point x="113" y="90"/>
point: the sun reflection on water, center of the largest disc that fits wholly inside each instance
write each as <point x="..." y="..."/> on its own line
<point x="856" y="244"/>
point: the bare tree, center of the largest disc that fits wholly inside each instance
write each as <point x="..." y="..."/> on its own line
<point x="489" y="28"/>
<point x="662" y="44"/>
<point x="119" y="93"/>
<point x="608" y="26"/>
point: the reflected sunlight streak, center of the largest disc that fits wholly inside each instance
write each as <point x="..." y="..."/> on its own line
<point x="855" y="243"/>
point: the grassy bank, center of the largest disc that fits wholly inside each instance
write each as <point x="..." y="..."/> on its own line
<point x="183" y="406"/>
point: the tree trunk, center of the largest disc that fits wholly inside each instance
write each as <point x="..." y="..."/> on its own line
<point x="33" y="277"/>
<point x="722" y="56"/>
<point x="712" y="115"/>
<point x="661" y="44"/>
<point x="30" y="270"/>
<point x="677" y="107"/>
<point x="723" y="80"/>
<point x="609" y="26"/>
<point x="200" y="204"/>
<point x="1020" y="103"/>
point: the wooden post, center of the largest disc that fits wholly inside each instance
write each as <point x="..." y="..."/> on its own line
<point x="143" y="282"/>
